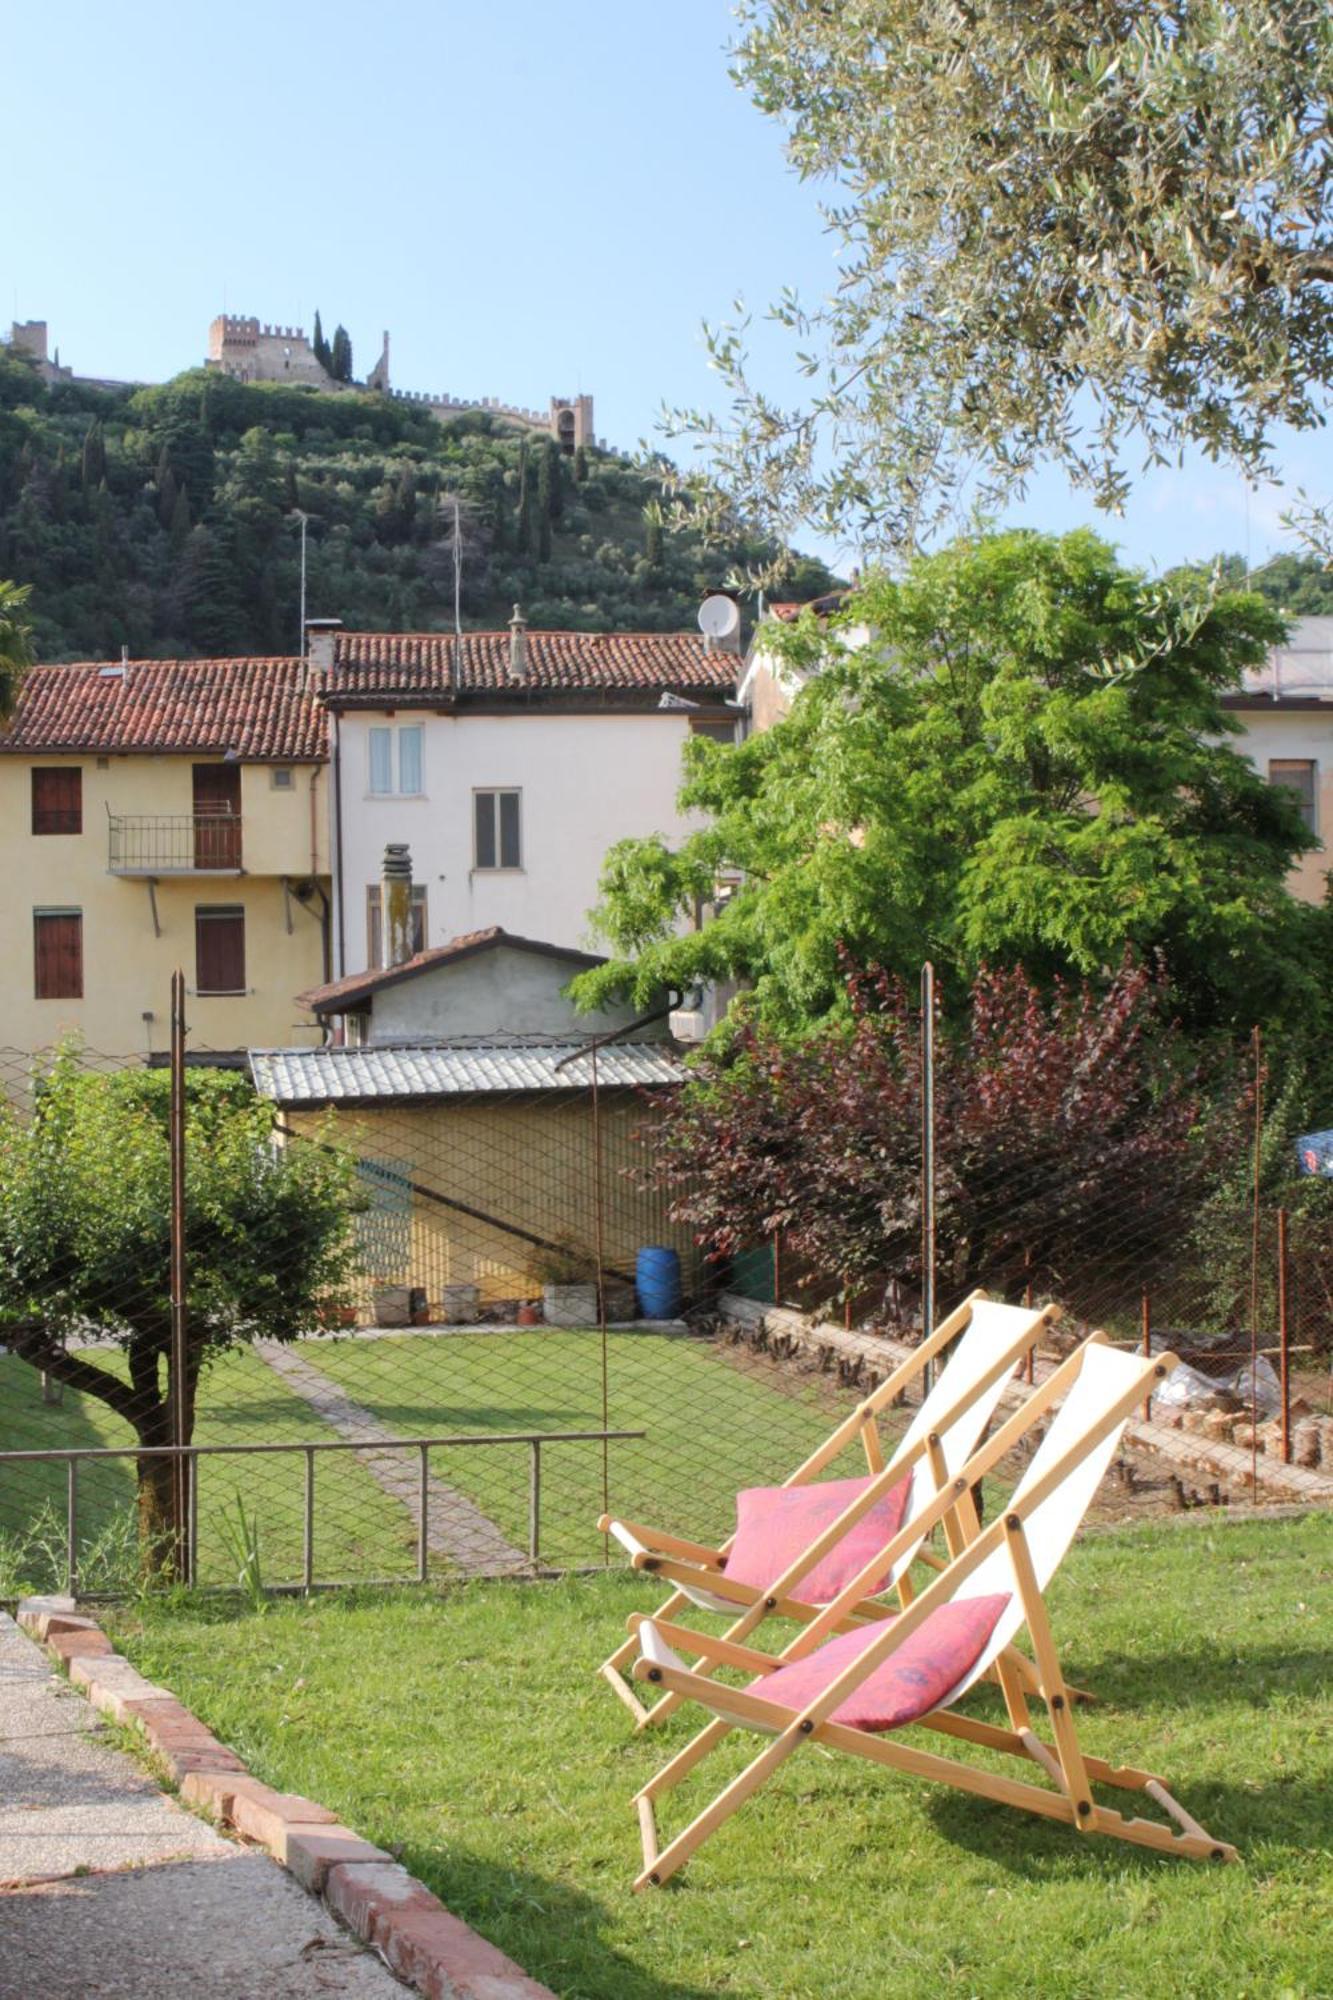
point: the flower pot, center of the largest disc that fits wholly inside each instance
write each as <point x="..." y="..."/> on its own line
<point x="459" y="1304"/>
<point x="570" y="1305"/>
<point x="529" y="1313"/>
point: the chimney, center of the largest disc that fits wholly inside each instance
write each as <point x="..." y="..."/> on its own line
<point x="396" y="905"/>
<point x="320" y="634"/>
<point x="518" y="646"/>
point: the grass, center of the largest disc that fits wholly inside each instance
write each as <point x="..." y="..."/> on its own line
<point x="465" y="1732"/>
<point x="367" y="1533"/>
<point x="712" y="1426"/>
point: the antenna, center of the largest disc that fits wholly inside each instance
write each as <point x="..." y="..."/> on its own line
<point x="458" y="571"/>
<point x="719" y="617"/>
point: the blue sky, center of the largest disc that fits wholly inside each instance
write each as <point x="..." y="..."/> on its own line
<point x="534" y="198"/>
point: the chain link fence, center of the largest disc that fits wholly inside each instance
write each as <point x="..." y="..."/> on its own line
<point x="414" y="1346"/>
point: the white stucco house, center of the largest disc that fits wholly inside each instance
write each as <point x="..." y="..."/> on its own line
<point x="1286" y="712"/>
<point x="509" y="763"/>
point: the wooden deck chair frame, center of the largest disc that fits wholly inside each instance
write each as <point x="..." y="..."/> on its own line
<point x="697" y="1570"/>
<point x="1071" y="1771"/>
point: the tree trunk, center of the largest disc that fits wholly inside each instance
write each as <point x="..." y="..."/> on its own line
<point x="156" y="1497"/>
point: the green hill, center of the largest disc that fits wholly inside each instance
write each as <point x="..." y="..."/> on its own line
<point x="164" y="519"/>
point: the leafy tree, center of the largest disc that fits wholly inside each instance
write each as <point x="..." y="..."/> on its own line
<point x="1026" y="763"/>
<point x="1125" y="197"/>
<point x="1301" y="586"/>
<point x="85" y="1241"/>
<point x="15" y="643"/>
<point x="320" y="346"/>
<point x="340" y="358"/>
<point x="1049" y="1108"/>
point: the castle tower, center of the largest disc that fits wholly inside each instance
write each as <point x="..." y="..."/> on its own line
<point x="378" y="377"/>
<point x="571" y="422"/>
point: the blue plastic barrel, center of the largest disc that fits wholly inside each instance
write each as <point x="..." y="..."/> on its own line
<point x="657" y="1281"/>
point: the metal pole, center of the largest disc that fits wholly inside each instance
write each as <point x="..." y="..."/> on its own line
<point x="1145" y="1321"/>
<point x="179" y="1393"/>
<point x="308" y="1532"/>
<point x="300" y="646"/>
<point x="1283" y="1334"/>
<point x="72" y="1527"/>
<point x="927" y="1164"/>
<point x="535" y="1504"/>
<point x="192" y="1540"/>
<point x="423" y="1517"/>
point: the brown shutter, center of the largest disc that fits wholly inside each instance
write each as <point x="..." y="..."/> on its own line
<point x="217" y="815"/>
<point x="57" y="799"/>
<point x="58" y="954"/>
<point x="219" y="948"/>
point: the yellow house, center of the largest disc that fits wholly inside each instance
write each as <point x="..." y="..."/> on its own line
<point x="155" y="814"/>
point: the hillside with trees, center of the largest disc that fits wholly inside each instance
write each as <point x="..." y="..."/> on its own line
<point x="166" y="519"/>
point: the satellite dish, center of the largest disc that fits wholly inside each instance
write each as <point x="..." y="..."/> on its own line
<point x="719" y="617"/>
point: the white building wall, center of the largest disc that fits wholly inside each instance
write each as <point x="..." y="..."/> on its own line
<point x="586" y="781"/>
<point x="1297" y="733"/>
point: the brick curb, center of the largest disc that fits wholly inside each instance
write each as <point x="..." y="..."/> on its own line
<point x="365" y="1888"/>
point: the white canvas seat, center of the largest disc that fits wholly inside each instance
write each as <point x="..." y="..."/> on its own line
<point x="847" y="1688"/>
<point x="797" y="1545"/>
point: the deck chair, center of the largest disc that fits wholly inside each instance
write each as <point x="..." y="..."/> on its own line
<point x="846" y="1690"/>
<point x="796" y="1545"/>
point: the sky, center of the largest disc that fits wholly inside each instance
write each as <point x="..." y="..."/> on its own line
<point x="533" y="198"/>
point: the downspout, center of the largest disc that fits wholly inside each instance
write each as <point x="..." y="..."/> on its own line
<point x="338" y="885"/>
<point x="325" y="938"/>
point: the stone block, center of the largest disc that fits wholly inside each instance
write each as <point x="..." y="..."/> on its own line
<point x="32" y="1610"/>
<point x="81" y="1641"/>
<point x="366" y="1895"/>
<point x="313" y="1850"/>
<point x="443" y="1959"/>
<point x="264" y="1815"/>
<point x="214" y="1790"/>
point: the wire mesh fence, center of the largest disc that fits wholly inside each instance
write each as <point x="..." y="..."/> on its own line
<point x="414" y="1348"/>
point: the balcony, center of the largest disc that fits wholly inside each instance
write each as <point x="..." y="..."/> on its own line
<point x="174" y="844"/>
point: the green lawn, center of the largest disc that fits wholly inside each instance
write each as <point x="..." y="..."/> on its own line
<point x="361" y="1530"/>
<point x="712" y="1425"/>
<point x="465" y="1731"/>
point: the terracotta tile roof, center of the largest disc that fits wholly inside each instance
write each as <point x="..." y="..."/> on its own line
<point x="263" y="709"/>
<point x="366" y="664"/>
<point x="359" y="986"/>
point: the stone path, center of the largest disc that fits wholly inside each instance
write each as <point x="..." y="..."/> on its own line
<point x="108" y="1888"/>
<point x="456" y="1528"/>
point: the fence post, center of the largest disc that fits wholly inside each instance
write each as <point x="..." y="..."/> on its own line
<point x="927" y="1165"/>
<point x="72" y="1526"/>
<point x="423" y="1517"/>
<point x="308" y="1529"/>
<point x="178" y="1385"/>
<point x="1283" y="1335"/>
<point x="192" y="1533"/>
<point x="535" y="1504"/>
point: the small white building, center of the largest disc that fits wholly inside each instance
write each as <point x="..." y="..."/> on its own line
<point x="1286" y="712"/>
<point x="509" y="763"/>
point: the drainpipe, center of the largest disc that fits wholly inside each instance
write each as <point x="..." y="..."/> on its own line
<point x="325" y="929"/>
<point x="339" y="895"/>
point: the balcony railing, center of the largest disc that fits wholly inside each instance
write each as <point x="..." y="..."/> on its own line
<point x="174" y="844"/>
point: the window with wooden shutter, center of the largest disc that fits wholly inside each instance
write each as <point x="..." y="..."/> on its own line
<point x="58" y="954"/>
<point x="219" y="948"/>
<point x="1297" y="774"/>
<point x="497" y="835"/>
<point x="57" y="799"/>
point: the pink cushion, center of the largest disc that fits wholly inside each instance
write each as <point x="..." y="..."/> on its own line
<point x="913" y="1680"/>
<point x="776" y="1524"/>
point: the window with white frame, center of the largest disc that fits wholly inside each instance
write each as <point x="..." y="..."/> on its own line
<point x="395" y="760"/>
<point x="1297" y="775"/>
<point x="497" y="839"/>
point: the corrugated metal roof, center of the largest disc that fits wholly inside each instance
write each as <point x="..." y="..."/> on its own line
<point x="368" y="1075"/>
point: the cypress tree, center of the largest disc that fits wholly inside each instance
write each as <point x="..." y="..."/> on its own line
<point x="340" y="360"/>
<point x="652" y="535"/>
<point x="94" y="456"/>
<point x="580" y="465"/>
<point x="523" y="512"/>
<point x="543" y="536"/>
<point x="321" y="346"/>
<point x="180" y="518"/>
<point x="166" y="496"/>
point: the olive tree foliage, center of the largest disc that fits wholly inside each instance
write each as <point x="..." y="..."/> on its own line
<point x="1020" y="758"/>
<point x="1065" y="228"/>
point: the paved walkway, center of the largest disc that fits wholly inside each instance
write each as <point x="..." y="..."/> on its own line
<point x="111" y="1891"/>
<point x="456" y="1528"/>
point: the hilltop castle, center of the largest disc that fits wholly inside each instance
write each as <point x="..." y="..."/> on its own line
<point x="248" y="351"/>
